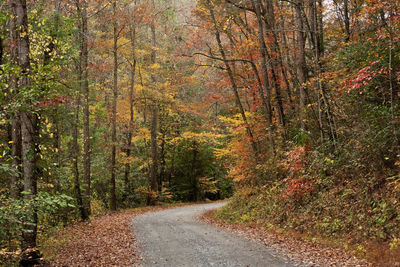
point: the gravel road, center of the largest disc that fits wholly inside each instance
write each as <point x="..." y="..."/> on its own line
<point x="175" y="238"/>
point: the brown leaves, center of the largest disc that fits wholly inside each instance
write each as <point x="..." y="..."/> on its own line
<point x="105" y="241"/>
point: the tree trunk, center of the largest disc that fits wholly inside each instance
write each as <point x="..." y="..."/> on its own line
<point x="193" y="177"/>
<point x="154" y="123"/>
<point x="86" y="122"/>
<point x="346" y="20"/>
<point x="75" y="161"/>
<point x="163" y="163"/>
<point x="1" y="51"/>
<point x="113" y="203"/>
<point x="16" y="147"/>
<point x="84" y="88"/>
<point x="29" y="133"/>
<point x="154" y="153"/>
<point x="264" y="72"/>
<point x="274" y="56"/>
<point x="131" y="110"/>
<point x="16" y="139"/>
<point x="322" y="96"/>
<point x="301" y="62"/>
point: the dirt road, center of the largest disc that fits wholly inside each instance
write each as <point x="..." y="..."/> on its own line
<point x="175" y="238"/>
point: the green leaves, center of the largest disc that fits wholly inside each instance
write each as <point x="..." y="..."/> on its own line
<point x="15" y="212"/>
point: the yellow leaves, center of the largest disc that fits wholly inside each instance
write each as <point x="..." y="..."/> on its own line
<point x="48" y="127"/>
<point x="395" y="243"/>
<point x="123" y="159"/>
<point x="203" y="137"/>
<point x="138" y="88"/>
<point x="221" y="153"/>
<point x="124" y="110"/>
<point x="144" y="165"/>
<point x="143" y="134"/>
<point x="328" y="160"/>
<point x="142" y="52"/>
<point x="155" y="66"/>
<point x="42" y="22"/>
<point x="233" y="121"/>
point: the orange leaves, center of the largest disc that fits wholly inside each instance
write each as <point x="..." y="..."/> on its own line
<point x="298" y="187"/>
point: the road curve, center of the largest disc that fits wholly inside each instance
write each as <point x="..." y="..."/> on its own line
<point x="175" y="238"/>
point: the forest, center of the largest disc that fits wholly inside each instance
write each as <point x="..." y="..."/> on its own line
<point x="289" y="108"/>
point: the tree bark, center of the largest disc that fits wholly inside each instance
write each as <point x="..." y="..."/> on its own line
<point x="113" y="203"/>
<point x="86" y="113"/>
<point x="346" y="20"/>
<point x="29" y="133"/>
<point x="162" y="160"/>
<point x="154" y="153"/>
<point x="264" y="72"/>
<point x="301" y="61"/>
<point x="154" y="124"/>
<point x="131" y="111"/>
<point x="84" y="88"/>
<point x="274" y="56"/>
<point x="74" y="147"/>
<point x="75" y="161"/>
<point x="16" y="139"/>
<point x="322" y="96"/>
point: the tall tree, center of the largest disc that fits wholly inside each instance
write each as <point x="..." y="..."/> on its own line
<point x="301" y="67"/>
<point x="264" y="71"/>
<point x="154" y="119"/>
<point x="113" y="203"/>
<point x="29" y="132"/>
<point x="133" y="63"/>
<point x="16" y="139"/>
<point x="84" y="88"/>
<point x="84" y="208"/>
<point x="86" y="113"/>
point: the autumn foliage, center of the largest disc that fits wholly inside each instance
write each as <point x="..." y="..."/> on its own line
<point x="115" y="104"/>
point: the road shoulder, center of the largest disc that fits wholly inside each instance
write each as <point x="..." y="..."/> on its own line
<point x="303" y="252"/>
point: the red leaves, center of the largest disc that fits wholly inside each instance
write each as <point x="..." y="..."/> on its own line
<point x="297" y="187"/>
<point x="298" y="184"/>
<point x="294" y="162"/>
<point x="364" y="76"/>
<point x="55" y="101"/>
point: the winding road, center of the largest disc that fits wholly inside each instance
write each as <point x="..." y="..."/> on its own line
<point x="175" y="238"/>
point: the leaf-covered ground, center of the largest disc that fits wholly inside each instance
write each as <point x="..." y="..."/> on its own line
<point x="301" y="251"/>
<point x="106" y="240"/>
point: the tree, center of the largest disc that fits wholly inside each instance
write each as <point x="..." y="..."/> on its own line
<point x="113" y="204"/>
<point x="154" y="119"/>
<point x="29" y="130"/>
